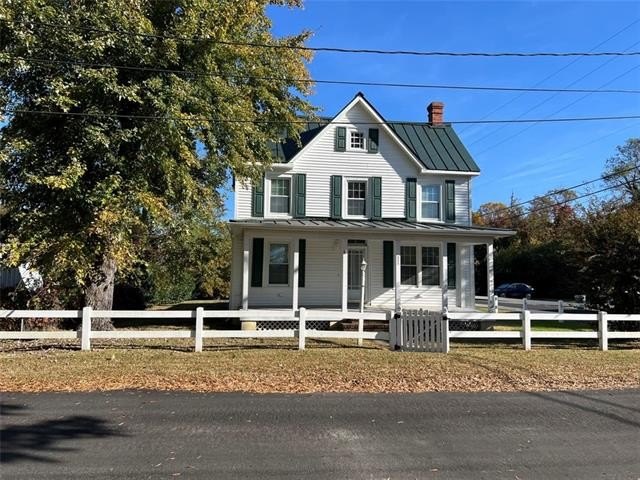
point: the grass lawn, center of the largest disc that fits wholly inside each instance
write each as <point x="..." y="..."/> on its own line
<point x="276" y="366"/>
<point x="548" y="325"/>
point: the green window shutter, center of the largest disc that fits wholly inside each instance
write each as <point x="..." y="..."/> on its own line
<point x="341" y="139"/>
<point x="257" y="199"/>
<point x="372" y="145"/>
<point x="376" y="198"/>
<point x="302" y="268"/>
<point x="257" y="256"/>
<point x="300" y="197"/>
<point x="336" y="196"/>
<point x="451" y="265"/>
<point x="410" y="199"/>
<point x="387" y="264"/>
<point x="450" y="201"/>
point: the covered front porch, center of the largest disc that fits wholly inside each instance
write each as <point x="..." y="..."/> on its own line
<point x="354" y="265"/>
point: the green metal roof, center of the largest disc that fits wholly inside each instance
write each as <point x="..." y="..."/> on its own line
<point x="284" y="151"/>
<point x="386" y="225"/>
<point x="436" y="147"/>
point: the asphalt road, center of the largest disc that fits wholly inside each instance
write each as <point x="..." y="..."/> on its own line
<point x="137" y="435"/>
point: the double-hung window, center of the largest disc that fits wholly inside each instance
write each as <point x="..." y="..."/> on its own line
<point x="408" y="266"/>
<point x="357" y="198"/>
<point x="356" y="140"/>
<point x="430" y="266"/>
<point x="430" y="202"/>
<point x="278" y="264"/>
<point x="280" y="198"/>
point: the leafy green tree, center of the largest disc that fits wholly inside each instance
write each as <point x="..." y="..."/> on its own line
<point x="152" y="104"/>
<point x="611" y="239"/>
<point x="623" y="171"/>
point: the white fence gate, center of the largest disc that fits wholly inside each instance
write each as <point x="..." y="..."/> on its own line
<point x="422" y="331"/>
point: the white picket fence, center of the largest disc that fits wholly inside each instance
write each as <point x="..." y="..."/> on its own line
<point x="420" y="331"/>
<point x="414" y="330"/>
<point x="198" y="333"/>
<point x="526" y="334"/>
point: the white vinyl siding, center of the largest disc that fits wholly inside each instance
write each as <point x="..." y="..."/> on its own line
<point x="391" y="163"/>
<point x="323" y="275"/>
<point x="320" y="162"/>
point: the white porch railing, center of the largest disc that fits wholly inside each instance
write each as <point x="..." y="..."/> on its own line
<point x="198" y="333"/>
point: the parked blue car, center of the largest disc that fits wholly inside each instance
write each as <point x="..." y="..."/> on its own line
<point x="514" y="290"/>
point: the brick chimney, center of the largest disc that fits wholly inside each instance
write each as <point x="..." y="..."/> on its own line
<point x="436" y="113"/>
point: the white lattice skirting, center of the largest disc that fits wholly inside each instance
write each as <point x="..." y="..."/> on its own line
<point x="311" y="325"/>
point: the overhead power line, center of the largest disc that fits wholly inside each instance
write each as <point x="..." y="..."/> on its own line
<point x="551" y="97"/>
<point x="320" y="81"/>
<point x="556" y="72"/>
<point x="281" y="46"/>
<point x="563" y="190"/>
<point x="303" y="122"/>
<point x="564" y="202"/>
<point x="548" y="117"/>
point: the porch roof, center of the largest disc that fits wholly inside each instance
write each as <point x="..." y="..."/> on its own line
<point x="378" y="226"/>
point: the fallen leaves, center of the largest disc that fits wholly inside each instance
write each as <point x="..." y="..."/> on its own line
<point x="262" y="367"/>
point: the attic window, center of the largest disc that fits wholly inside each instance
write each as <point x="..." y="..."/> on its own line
<point x="357" y="140"/>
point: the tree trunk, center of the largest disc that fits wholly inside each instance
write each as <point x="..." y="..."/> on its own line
<point x="99" y="293"/>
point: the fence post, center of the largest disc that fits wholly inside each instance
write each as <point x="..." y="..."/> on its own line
<point x="496" y="304"/>
<point x="85" y="339"/>
<point x="603" y="330"/>
<point x="525" y="316"/>
<point x="360" y="330"/>
<point x="560" y="309"/>
<point x="392" y="330"/>
<point x="302" y="328"/>
<point x="524" y="303"/>
<point x="199" y="328"/>
<point x="445" y="334"/>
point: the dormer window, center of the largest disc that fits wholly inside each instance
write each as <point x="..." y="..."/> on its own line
<point x="357" y="140"/>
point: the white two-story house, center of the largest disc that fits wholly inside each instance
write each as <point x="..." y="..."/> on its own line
<point x="360" y="193"/>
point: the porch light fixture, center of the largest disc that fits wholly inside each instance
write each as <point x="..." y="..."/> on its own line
<point x="363" y="269"/>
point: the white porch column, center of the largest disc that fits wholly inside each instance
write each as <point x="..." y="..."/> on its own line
<point x="461" y="278"/>
<point x="345" y="271"/>
<point x="396" y="276"/>
<point x="490" y="277"/>
<point x="296" y="273"/>
<point x="245" y="270"/>
<point x="444" y="276"/>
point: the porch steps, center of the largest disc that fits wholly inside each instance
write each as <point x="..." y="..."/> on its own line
<point x="370" y="325"/>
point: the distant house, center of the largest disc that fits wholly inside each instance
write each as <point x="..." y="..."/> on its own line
<point x="12" y="277"/>
<point x="396" y="195"/>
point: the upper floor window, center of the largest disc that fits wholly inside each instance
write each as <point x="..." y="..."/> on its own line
<point x="357" y="140"/>
<point x="356" y="198"/>
<point x="430" y="202"/>
<point x="280" y="198"/>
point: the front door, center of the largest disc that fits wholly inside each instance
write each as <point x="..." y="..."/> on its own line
<point x="354" y="275"/>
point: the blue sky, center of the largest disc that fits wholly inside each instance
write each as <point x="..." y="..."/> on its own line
<point x="543" y="156"/>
